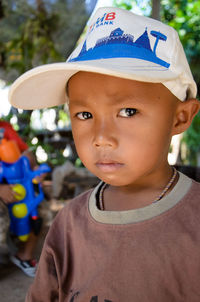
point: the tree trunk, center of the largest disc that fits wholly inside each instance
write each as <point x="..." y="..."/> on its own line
<point x="198" y="159"/>
<point x="1" y="10"/>
<point x="155" y="9"/>
<point x="40" y="6"/>
<point x="2" y="52"/>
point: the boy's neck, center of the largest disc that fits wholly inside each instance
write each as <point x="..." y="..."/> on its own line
<point x="124" y="198"/>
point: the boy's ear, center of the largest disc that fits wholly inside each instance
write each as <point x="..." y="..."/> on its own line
<point x="185" y="113"/>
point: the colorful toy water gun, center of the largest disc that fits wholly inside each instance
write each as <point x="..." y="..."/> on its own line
<point x="23" y="213"/>
<point x="16" y="170"/>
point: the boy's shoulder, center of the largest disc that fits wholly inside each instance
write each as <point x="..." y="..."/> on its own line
<point x="192" y="196"/>
<point x="195" y="188"/>
<point x="78" y="202"/>
<point x="75" y="209"/>
<point x="188" y="187"/>
<point x="71" y="217"/>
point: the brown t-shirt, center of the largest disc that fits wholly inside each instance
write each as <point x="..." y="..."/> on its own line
<point x="150" y="254"/>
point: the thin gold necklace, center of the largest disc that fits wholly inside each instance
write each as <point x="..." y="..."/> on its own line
<point x="166" y="189"/>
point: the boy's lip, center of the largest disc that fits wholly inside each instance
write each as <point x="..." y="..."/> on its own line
<point x="108" y="165"/>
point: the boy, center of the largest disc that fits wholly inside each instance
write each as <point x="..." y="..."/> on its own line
<point x="136" y="236"/>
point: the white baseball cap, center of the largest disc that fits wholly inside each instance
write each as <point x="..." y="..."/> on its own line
<point x="117" y="43"/>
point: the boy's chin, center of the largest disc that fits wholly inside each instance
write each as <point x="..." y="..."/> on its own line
<point x="114" y="181"/>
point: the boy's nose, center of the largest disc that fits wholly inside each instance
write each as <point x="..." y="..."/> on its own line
<point x="104" y="135"/>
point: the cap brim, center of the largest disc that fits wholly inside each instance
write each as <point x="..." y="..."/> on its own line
<point x="44" y="86"/>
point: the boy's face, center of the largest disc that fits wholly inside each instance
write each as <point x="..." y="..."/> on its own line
<point x="122" y="128"/>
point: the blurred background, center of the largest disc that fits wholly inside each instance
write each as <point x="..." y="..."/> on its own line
<point x="35" y="32"/>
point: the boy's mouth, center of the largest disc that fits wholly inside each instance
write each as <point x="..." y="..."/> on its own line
<point x="108" y="165"/>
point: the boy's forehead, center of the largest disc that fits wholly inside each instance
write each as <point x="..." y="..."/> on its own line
<point x="89" y="83"/>
<point x="86" y="78"/>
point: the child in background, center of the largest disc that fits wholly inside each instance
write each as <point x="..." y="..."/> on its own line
<point x="135" y="237"/>
<point x="25" y="252"/>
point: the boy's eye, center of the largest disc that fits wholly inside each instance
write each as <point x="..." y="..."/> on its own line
<point x="127" y="112"/>
<point x="84" y="115"/>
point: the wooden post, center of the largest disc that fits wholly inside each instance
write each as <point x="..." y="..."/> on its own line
<point x="155" y="9"/>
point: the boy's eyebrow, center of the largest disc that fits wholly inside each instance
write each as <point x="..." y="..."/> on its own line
<point x="78" y="102"/>
<point x="133" y="98"/>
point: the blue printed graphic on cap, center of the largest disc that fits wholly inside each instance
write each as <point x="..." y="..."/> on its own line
<point x="121" y="45"/>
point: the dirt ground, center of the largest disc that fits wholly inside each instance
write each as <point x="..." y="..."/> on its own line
<point x="13" y="282"/>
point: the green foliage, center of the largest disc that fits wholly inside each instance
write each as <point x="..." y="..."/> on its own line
<point x="192" y="136"/>
<point x="192" y="140"/>
<point x="124" y="4"/>
<point x="184" y="16"/>
<point x="31" y="41"/>
<point x="64" y="117"/>
<point x="142" y="5"/>
<point x="33" y="35"/>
